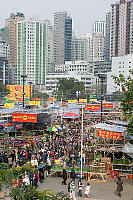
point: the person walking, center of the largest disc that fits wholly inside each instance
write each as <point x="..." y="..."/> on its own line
<point x="80" y="188"/>
<point x="73" y="175"/>
<point x="64" y="176"/>
<point x="119" y="186"/>
<point x="72" y="190"/>
<point x="87" y="191"/>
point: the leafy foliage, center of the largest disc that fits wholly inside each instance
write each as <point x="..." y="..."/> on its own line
<point x="3" y="89"/>
<point x="42" y="95"/>
<point x="69" y="88"/>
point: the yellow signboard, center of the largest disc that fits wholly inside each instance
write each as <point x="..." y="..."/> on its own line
<point x="72" y="101"/>
<point x="93" y="100"/>
<point x="82" y="100"/>
<point x="17" y="90"/>
<point x="34" y="103"/>
<point x="9" y="105"/>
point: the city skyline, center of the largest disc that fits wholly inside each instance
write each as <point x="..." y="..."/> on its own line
<point x="82" y="12"/>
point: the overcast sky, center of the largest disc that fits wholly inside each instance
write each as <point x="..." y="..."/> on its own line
<point x="83" y="12"/>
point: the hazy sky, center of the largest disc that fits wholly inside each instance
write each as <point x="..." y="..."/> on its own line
<point x="83" y="12"/>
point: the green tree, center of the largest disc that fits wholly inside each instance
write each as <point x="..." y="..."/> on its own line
<point x="127" y="101"/>
<point x="3" y="89"/>
<point x="69" y="88"/>
<point x="41" y="95"/>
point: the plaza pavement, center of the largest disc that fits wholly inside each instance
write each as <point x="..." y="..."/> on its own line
<point x="99" y="191"/>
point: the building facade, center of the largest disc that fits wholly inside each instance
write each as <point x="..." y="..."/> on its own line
<point x="98" y="47"/>
<point x="11" y="24"/>
<point x="4" y="70"/>
<point x="4" y="49"/>
<point x="62" y="37"/>
<point x="99" y="27"/>
<point x="107" y="37"/>
<point x="31" y="52"/>
<point x="120" y="65"/>
<point x="80" y="49"/>
<point x="121" y="26"/>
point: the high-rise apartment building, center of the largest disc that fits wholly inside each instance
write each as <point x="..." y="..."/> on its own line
<point x="107" y="37"/>
<point x="99" y="26"/>
<point x="11" y="24"/>
<point x="62" y="37"/>
<point x="80" y="49"/>
<point x="49" y="48"/>
<point x="98" y="47"/>
<point x="31" y="52"/>
<point x="121" y="28"/>
<point x="4" y="49"/>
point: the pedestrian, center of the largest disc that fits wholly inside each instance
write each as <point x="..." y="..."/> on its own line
<point x="80" y="188"/>
<point x="64" y="176"/>
<point x="72" y="190"/>
<point x="119" y="186"/>
<point x="87" y="191"/>
<point x="73" y="175"/>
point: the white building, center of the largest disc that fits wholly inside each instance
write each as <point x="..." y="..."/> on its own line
<point x="80" y="70"/>
<point x="99" y="27"/>
<point x="4" y="49"/>
<point x="80" y="67"/>
<point x="120" y="65"/>
<point x="52" y="79"/>
<point x="31" y="51"/>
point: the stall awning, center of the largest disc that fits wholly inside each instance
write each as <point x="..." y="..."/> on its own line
<point x="113" y="128"/>
<point x="128" y="149"/>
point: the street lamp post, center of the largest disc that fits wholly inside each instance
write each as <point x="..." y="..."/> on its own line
<point x="82" y="141"/>
<point x="30" y="89"/>
<point x="23" y="76"/>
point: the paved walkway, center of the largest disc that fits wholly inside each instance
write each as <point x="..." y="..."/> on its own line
<point x="99" y="191"/>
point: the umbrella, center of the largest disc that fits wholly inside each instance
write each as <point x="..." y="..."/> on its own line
<point x="54" y="128"/>
<point x="70" y="115"/>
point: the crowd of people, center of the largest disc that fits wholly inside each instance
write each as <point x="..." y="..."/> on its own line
<point x="63" y="146"/>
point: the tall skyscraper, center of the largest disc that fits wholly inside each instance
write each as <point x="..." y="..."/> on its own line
<point x="98" y="47"/>
<point x="80" y="49"/>
<point x="62" y="37"/>
<point x="121" y="28"/>
<point x="31" y="52"/>
<point x="11" y="24"/>
<point x="49" y="47"/>
<point x="107" y="37"/>
<point x="99" y="27"/>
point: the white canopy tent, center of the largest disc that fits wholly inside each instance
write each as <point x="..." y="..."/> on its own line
<point x="128" y="149"/>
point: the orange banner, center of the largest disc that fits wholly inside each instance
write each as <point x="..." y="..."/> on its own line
<point x="82" y="100"/>
<point x="93" y="107"/>
<point x="72" y="101"/>
<point x="52" y="99"/>
<point x="109" y="134"/>
<point x="24" y="117"/>
<point x="36" y="99"/>
<point x="108" y="105"/>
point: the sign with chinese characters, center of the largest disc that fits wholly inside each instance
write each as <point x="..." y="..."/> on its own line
<point x="24" y="117"/>
<point x="93" y="107"/>
<point x="82" y="100"/>
<point x="109" y="134"/>
<point x="108" y="105"/>
<point x="72" y="101"/>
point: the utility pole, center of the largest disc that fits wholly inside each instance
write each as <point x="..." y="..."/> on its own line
<point x="30" y="90"/>
<point x="23" y="76"/>
<point x="82" y="141"/>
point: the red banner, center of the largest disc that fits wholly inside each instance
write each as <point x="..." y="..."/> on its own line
<point x="93" y="107"/>
<point x="19" y="126"/>
<point x="36" y="99"/>
<point x="24" y="117"/>
<point x="64" y="104"/>
<point x="108" y="105"/>
<point x="109" y="134"/>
